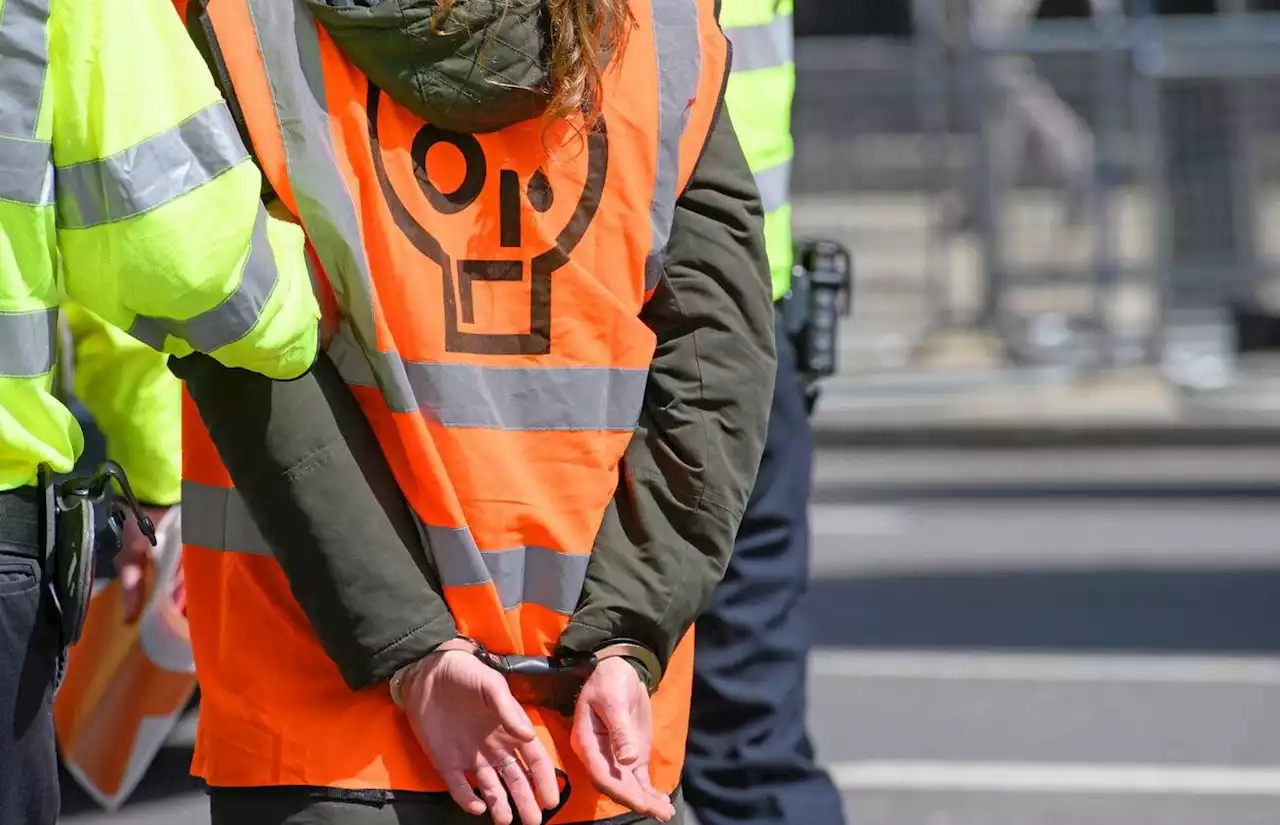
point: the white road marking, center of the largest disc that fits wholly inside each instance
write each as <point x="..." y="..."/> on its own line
<point x="1020" y="667"/>
<point x="1025" y="777"/>
<point x="845" y="520"/>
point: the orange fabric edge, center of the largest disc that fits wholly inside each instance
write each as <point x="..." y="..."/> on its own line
<point x="238" y="40"/>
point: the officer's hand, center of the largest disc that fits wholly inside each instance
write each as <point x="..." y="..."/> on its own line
<point x="613" y="735"/>
<point x="468" y="722"/>
<point x="134" y="562"/>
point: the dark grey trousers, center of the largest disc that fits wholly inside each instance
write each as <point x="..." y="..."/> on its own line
<point x="749" y="759"/>
<point x="298" y="806"/>
<point x="29" y="649"/>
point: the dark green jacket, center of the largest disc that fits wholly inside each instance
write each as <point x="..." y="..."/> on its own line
<point x="306" y="461"/>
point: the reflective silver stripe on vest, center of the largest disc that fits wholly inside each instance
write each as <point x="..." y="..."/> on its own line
<point x="679" y="52"/>
<point x="151" y="173"/>
<point x="24" y="59"/>
<point x="537" y="398"/>
<point x="524" y="575"/>
<point x="510" y="398"/>
<point x="230" y="320"/>
<point x="26" y="173"/>
<point x="290" y="48"/>
<point x="27" y="347"/>
<point x="765" y="46"/>
<point x="774" y="184"/>
<point x="216" y="518"/>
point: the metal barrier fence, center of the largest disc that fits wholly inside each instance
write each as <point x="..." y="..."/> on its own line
<point x="1093" y="192"/>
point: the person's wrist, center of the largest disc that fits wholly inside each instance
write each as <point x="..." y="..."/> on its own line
<point x="643" y="660"/>
<point x="635" y="665"/>
<point x="403" y="680"/>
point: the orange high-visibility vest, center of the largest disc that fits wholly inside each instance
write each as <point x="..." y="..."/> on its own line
<point x="490" y="290"/>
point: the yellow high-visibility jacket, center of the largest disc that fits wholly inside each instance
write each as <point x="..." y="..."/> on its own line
<point x="135" y="401"/>
<point x="125" y="187"/>
<point x="759" y="97"/>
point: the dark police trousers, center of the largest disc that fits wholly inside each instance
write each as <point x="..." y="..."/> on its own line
<point x="301" y="806"/>
<point x="749" y="760"/>
<point x="30" y="645"/>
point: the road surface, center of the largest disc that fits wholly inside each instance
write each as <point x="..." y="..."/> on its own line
<point x="1013" y="658"/>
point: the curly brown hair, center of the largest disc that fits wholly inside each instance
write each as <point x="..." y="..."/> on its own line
<point x="585" y="36"/>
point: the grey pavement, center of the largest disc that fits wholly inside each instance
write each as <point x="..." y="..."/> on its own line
<point x="991" y="406"/>
<point x="1001" y="642"/>
<point x="955" y="472"/>
<point x="1024" y="661"/>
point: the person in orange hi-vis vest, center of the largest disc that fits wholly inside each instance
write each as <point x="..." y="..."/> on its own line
<point x="453" y="569"/>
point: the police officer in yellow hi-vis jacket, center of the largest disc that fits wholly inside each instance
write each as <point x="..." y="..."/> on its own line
<point x="124" y="187"/>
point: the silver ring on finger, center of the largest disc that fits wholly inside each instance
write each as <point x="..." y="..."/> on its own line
<point x="502" y="766"/>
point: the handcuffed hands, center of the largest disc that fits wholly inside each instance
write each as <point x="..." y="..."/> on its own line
<point x="470" y="725"/>
<point x="472" y="728"/>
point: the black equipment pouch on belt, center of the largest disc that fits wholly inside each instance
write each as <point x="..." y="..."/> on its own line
<point x="821" y="291"/>
<point x="67" y="532"/>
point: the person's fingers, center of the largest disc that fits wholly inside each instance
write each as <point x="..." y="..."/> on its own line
<point x="542" y="771"/>
<point x="662" y="809"/>
<point x="497" y="695"/>
<point x="612" y="709"/>
<point x="462" y="793"/>
<point x="495" y="796"/>
<point x="512" y="774"/>
<point x="593" y="745"/>
<point x="661" y="806"/>
<point x="641" y="773"/>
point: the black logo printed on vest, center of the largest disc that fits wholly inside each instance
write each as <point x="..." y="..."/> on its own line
<point x="458" y="305"/>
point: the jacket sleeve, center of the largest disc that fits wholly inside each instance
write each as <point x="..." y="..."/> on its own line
<point x="135" y="401"/>
<point x="159" y="217"/>
<point x="686" y="477"/>
<point x="310" y="470"/>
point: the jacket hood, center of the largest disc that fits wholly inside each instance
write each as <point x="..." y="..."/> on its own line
<point x="485" y="69"/>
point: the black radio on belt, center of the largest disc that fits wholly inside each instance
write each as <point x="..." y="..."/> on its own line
<point x="67" y="532"/>
<point x="821" y="293"/>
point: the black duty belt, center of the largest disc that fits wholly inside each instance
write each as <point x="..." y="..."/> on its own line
<point x="20" y="522"/>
